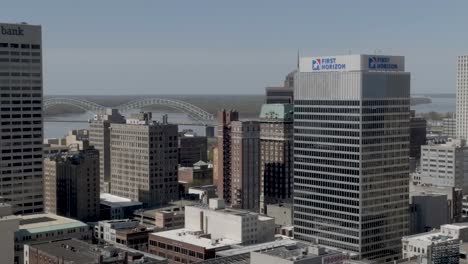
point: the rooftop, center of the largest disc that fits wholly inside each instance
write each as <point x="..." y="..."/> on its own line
<point x="46" y="222"/>
<point x="195" y="238"/>
<point x="277" y="112"/>
<point x="257" y="247"/>
<point x="434" y="236"/>
<point x="117" y="201"/>
<point x="173" y="206"/>
<point x="83" y="253"/>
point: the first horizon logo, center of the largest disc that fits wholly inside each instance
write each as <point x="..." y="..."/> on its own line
<point x="383" y="63"/>
<point x="319" y="64"/>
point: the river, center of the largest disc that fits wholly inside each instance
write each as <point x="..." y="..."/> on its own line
<point x="58" y="129"/>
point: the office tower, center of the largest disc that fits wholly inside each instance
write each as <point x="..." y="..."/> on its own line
<point x="21" y="117"/>
<point x="418" y="130"/>
<point x="238" y="161"/>
<point x="462" y="97"/>
<point x="71" y="184"/>
<point x="281" y="94"/>
<point x="99" y="137"/>
<point x="192" y="149"/>
<point x="223" y="163"/>
<point x="442" y="164"/>
<point x="144" y="160"/>
<point x="351" y="148"/>
<point x="449" y="126"/>
<point x="276" y="154"/>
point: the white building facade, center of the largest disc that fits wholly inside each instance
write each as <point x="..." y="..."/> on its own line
<point x="351" y="148"/>
<point x="21" y="117"/>
<point x="442" y="164"/>
<point x="237" y="225"/>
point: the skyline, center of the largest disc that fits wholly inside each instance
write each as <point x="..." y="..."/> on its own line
<point x="217" y="48"/>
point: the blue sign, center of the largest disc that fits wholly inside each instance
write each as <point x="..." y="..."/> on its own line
<point x="327" y="64"/>
<point x="383" y="63"/>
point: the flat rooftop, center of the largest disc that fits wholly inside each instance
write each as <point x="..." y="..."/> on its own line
<point x="432" y="236"/>
<point x="46" y="222"/>
<point x="232" y="211"/>
<point x="84" y="253"/>
<point x="117" y="201"/>
<point x="173" y="206"/>
<point x="257" y="247"/>
<point x="190" y="237"/>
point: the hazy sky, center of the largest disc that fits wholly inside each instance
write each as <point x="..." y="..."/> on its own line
<point x="231" y="47"/>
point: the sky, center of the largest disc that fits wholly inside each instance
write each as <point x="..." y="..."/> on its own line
<point x="233" y="47"/>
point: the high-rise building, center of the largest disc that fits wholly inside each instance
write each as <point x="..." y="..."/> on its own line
<point x="71" y="184"/>
<point x="276" y="154"/>
<point x="281" y="94"/>
<point x="462" y="97"/>
<point x="418" y="130"/>
<point x="449" y="126"/>
<point x="223" y="163"/>
<point x="99" y="137"/>
<point x="351" y="148"/>
<point x="192" y="149"/>
<point x="144" y="160"/>
<point x="21" y="117"/>
<point x="238" y="161"/>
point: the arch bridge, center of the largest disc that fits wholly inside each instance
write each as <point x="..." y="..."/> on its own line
<point x="201" y="116"/>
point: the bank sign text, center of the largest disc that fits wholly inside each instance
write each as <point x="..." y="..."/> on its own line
<point x="11" y="31"/>
<point x="319" y="64"/>
<point x="383" y="63"/>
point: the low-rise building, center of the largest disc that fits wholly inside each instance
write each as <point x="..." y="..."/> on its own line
<point x="422" y="208"/>
<point x="436" y="246"/>
<point x="45" y="227"/>
<point x="201" y="173"/>
<point x="454" y="198"/>
<point x="238" y="225"/>
<point x="186" y="246"/>
<point x="149" y="216"/>
<point x="71" y="251"/>
<point x="115" y="207"/>
<point x="126" y="232"/>
<point x="205" y="193"/>
<point x="167" y="220"/>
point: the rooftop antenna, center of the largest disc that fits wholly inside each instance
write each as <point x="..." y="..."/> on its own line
<point x="298" y="54"/>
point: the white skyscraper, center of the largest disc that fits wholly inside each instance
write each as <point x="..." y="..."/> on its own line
<point x="462" y="97"/>
<point x="351" y="149"/>
<point x="21" y="117"/>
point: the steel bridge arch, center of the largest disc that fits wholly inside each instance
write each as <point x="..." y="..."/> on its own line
<point x="193" y="111"/>
<point x="80" y="103"/>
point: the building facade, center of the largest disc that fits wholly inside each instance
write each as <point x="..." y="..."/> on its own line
<point x="144" y="160"/>
<point x="21" y="119"/>
<point x="276" y="154"/>
<point x="443" y="164"/>
<point x="9" y="224"/>
<point x="418" y="130"/>
<point x="449" y="126"/>
<point x="192" y="148"/>
<point x="71" y="184"/>
<point x="351" y="149"/>
<point x="281" y="94"/>
<point x="462" y="97"/>
<point x="99" y="137"/>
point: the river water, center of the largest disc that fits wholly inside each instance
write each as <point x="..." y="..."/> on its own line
<point x="59" y="129"/>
